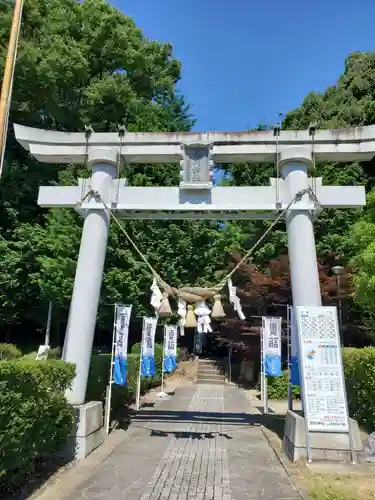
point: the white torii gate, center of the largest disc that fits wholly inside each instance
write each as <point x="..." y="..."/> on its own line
<point x="194" y="198"/>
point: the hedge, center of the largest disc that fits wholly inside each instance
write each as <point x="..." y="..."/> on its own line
<point x="9" y="351"/>
<point x="35" y="418"/>
<point x="359" y="370"/>
<point x="121" y="396"/>
<point x="278" y="387"/>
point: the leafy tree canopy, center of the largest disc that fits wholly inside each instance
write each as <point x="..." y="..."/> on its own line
<point x="83" y="63"/>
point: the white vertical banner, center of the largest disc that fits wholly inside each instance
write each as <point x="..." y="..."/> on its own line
<point x="119" y="354"/>
<point x="272" y="346"/>
<point x="148" y="367"/>
<point x="122" y="321"/>
<point x="170" y="348"/>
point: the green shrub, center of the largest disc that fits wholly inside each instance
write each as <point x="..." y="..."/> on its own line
<point x="359" y="368"/>
<point x="136" y="349"/>
<point x="35" y="418"/>
<point x="9" y="351"/>
<point x="278" y="387"/>
<point x="55" y="353"/>
<point x="99" y="378"/>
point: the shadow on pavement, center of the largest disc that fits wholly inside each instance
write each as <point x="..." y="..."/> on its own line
<point x="273" y="422"/>
<point x="196" y="417"/>
<point x="188" y="434"/>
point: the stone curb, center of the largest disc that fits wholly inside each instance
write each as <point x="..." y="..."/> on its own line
<point x="284" y="461"/>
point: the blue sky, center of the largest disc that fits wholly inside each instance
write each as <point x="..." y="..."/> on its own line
<point x="245" y="61"/>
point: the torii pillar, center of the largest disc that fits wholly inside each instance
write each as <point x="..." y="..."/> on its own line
<point x="88" y="278"/>
<point x="295" y="163"/>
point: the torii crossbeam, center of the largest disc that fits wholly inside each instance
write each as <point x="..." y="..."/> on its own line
<point x="194" y="198"/>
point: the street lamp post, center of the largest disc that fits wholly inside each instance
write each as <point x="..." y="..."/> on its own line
<point x="339" y="271"/>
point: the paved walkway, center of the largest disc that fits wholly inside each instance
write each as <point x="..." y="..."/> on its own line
<point x="199" y="444"/>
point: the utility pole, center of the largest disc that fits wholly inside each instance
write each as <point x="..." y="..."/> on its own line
<point x="47" y="339"/>
<point x="6" y="89"/>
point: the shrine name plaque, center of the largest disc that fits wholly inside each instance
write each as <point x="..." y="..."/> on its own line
<point x="321" y="369"/>
<point x="196" y="168"/>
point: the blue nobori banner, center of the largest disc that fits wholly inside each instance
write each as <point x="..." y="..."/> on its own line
<point x="148" y="368"/>
<point x="272" y="346"/>
<point x="170" y="348"/>
<point x="122" y="321"/>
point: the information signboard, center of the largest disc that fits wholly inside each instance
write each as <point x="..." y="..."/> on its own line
<point x="324" y="394"/>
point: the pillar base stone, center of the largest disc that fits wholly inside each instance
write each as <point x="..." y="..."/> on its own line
<point x="88" y="431"/>
<point x="324" y="446"/>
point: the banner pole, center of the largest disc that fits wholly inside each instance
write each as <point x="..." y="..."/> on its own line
<point x="261" y="366"/>
<point x="162" y="393"/>
<point x="230" y="363"/>
<point x="264" y="379"/>
<point x="109" y="391"/>
<point x="265" y="391"/>
<point x="162" y="363"/>
<point x="138" y="396"/>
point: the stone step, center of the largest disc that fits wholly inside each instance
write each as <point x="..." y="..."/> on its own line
<point x="208" y="360"/>
<point x="209" y="370"/>
<point x="209" y="365"/>
<point x="211" y="382"/>
<point x="210" y="377"/>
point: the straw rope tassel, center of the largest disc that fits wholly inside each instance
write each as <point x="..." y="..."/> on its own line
<point x="190" y="320"/>
<point x="165" y="307"/>
<point x="218" y="310"/>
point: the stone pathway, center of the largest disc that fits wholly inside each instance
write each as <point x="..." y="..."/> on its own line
<point x="199" y="444"/>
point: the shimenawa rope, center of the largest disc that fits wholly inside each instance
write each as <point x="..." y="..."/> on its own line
<point x="208" y="292"/>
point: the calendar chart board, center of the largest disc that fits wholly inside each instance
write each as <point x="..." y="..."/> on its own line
<point x="324" y="394"/>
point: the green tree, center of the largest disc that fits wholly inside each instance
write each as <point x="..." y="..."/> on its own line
<point x="85" y="63"/>
<point x="364" y="259"/>
<point x="81" y="63"/>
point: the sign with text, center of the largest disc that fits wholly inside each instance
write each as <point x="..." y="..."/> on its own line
<point x="148" y="347"/>
<point x="196" y="171"/>
<point x="321" y="369"/>
<point x="42" y="353"/>
<point x="170" y="348"/>
<point x="272" y="346"/>
<point x="122" y="321"/>
<point x="198" y="342"/>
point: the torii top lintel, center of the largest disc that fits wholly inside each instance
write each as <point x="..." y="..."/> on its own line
<point x="337" y="145"/>
<point x="196" y="153"/>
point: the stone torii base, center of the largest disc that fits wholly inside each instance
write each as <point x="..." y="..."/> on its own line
<point x="194" y="198"/>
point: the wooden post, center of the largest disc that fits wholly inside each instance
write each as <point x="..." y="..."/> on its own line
<point x="6" y="89"/>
